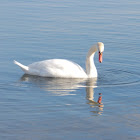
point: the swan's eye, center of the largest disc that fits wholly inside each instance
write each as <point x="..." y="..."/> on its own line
<point x="100" y="52"/>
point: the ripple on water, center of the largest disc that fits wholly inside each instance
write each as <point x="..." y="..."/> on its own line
<point x="111" y="77"/>
<point x="117" y="77"/>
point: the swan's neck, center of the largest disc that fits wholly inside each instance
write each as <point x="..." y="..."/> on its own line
<point x="90" y="66"/>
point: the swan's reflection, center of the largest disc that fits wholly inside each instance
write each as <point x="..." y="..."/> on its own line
<point x="62" y="87"/>
<point x="90" y="97"/>
<point x="59" y="86"/>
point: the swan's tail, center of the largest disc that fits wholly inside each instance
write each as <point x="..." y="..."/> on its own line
<point x="23" y="67"/>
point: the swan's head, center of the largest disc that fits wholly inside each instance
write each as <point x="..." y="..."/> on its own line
<point x="100" y="46"/>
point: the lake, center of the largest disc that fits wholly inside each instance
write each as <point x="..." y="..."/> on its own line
<point x="39" y="108"/>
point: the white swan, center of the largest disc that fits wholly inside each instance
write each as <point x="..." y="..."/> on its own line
<point x="65" y="68"/>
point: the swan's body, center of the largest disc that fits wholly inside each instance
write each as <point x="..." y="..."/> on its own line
<point x="55" y="68"/>
<point x="65" y="68"/>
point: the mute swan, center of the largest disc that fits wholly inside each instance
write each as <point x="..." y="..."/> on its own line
<point x="65" y="68"/>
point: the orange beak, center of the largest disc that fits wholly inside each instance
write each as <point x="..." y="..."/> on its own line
<point x="100" y="57"/>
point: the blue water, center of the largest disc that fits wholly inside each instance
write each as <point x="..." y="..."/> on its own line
<point x="55" y="109"/>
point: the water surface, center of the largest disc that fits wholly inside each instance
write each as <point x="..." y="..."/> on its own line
<point x="51" y="108"/>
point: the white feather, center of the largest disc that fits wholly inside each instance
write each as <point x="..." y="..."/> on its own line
<point x="64" y="68"/>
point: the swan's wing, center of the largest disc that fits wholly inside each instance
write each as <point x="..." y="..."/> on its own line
<point x="57" y="68"/>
